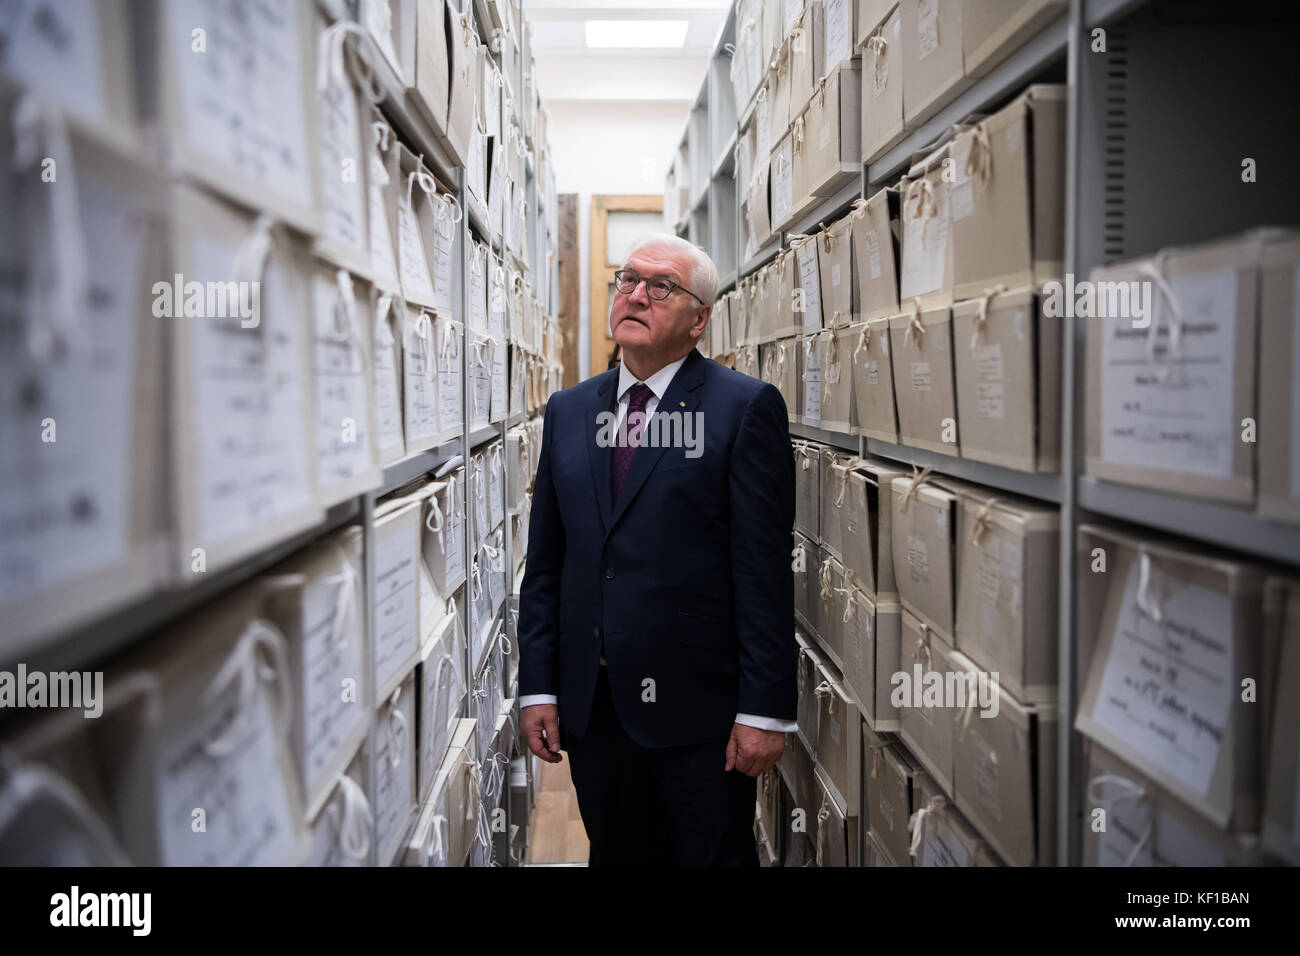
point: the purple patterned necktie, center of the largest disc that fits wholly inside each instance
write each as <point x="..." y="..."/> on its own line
<point x="637" y="396"/>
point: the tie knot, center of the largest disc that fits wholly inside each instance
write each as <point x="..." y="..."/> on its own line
<point x="637" y="396"/>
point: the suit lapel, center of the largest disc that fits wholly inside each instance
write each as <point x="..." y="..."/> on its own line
<point x="598" y="453"/>
<point x="682" y="396"/>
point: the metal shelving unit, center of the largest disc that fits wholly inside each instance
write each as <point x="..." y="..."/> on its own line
<point x="1115" y="98"/>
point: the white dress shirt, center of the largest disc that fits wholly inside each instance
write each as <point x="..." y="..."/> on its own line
<point x="658" y="384"/>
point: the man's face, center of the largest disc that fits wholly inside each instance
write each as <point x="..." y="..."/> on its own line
<point x="668" y="327"/>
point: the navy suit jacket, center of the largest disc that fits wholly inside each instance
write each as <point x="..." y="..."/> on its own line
<point x="686" y="578"/>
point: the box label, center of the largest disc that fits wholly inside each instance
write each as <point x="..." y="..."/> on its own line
<point x="927" y="27"/>
<point x="873" y="254"/>
<point x="921" y="378"/>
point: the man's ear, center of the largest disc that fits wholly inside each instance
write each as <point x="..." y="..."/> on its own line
<point x="701" y="320"/>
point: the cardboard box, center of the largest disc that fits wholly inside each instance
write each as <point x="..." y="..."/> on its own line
<point x="807" y="56"/>
<point x="828" y="607"/>
<point x="442" y="535"/>
<point x="810" y="407"/>
<point x="778" y="92"/>
<point x="840" y="30"/>
<point x="1280" y="835"/>
<point x="835" y="269"/>
<point x="928" y="725"/>
<point x="785" y="280"/>
<point x="838" y="744"/>
<point x="833" y="155"/>
<point x="390" y="752"/>
<point x="1279" y="381"/>
<point x="927" y="255"/>
<point x="894" y="783"/>
<point x="442" y="694"/>
<point x="835" y="843"/>
<point x="1133" y="386"/>
<point x="872" y="648"/>
<point x="870" y="14"/>
<point x="867" y="540"/>
<point x="875" y="255"/>
<point x="924" y="524"/>
<point x="807" y="473"/>
<point x="98" y="484"/>
<point x="994" y="29"/>
<point x="806" y="569"/>
<point x="340" y="833"/>
<point x="784" y="189"/>
<point x="420" y="389"/>
<point x="875" y="412"/>
<point x="933" y="60"/>
<point x="807" y="265"/>
<point x="882" y="88"/>
<point x="1164" y="624"/>
<point x="395" y="615"/>
<point x="450" y="336"/>
<point x="1005" y="776"/>
<point x="787" y="374"/>
<point x="835" y="503"/>
<point x="1008" y="197"/>
<point x="383" y="185"/>
<point x="387" y="374"/>
<point x="922" y="352"/>
<point x="462" y="44"/>
<point x="244" y="451"/>
<point x="835" y="357"/>
<point x="1007" y="583"/>
<point x="1007" y="370"/>
<point x="946" y="837"/>
<point x="416" y="199"/>
<point x="431" y="91"/>
<point x="315" y="600"/>
<point x="1145" y="825"/>
<point x="808" y="710"/>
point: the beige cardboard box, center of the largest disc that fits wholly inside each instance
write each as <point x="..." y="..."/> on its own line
<point x="928" y="724"/>
<point x="835" y="843"/>
<point x="924" y="524"/>
<point x="807" y="266"/>
<point x="873" y="382"/>
<point x="244" y="448"/>
<point x="807" y="56"/>
<point x="933" y="62"/>
<point x="835" y="268"/>
<point x="838" y="745"/>
<point x="782" y="184"/>
<point x="390" y="752"/>
<point x="836" y="504"/>
<point x="1166" y="637"/>
<point x="827" y="603"/>
<point x="922" y="352"/>
<point x="387" y="371"/>
<point x="808" y="710"/>
<point x="758" y="211"/>
<point x="840" y="34"/>
<point x="258" y="151"/>
<point x="1281" y="836"/>
<point x="315" y="599"/>
<point x="787" y="374"/>
<point x="1279" y="381"/>
<point x="1146" y="825"/>
<point x="876" y="855"/>
<point x="83" y="529"/>
<point x="763" y="317"/>
<point x="1005" y="776"/>
<point x="747" y="361"/>
<point x="1008" y="198"/>
<point x="395" y="615"/>
<point x="867" y="544"/>
<point x="801" y="147"/>
<point x="882" y="88"/>
<point x="1007" y="584"/>
<point x="870" y="14"/>
<point x="894" y="782"/>
<point x="993" y="29"/>
<point x="1134" y="383"/>
<point x="786" y="278"/>
<point x="432" y="87"/>
<point x="834" y="130"/>
<point x="807" y="481"/>
<point x="945" y="836"/>
<point x="835" y="348"/>
<point x="1007" y="368"/>
<point x="462" y="43"/>
<point x="806" y="570"/>
<point x="875" y="255"/>
<point x="872" y="647"/>
<point x="215" y="721"/>
<point x="778" y="91"/>
<point x="927" y="268"/>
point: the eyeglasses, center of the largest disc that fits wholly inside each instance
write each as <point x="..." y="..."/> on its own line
<point x="657" y="287"/>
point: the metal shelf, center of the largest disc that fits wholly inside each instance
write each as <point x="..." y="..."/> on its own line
<point x="725" y="164"/>
<point x="825" y="210"/>
<point x="1200" y="519"/>
<point x="1041" y="487"/>
<point x="82" y="646"/>
<point x="1006" y="79"/>
<point x="483" y="434"/>
<point x="762" y="257"/>
<point x="413" y="466"/>
<point x="813" y="433"/>
<point x="1100" y="12"/>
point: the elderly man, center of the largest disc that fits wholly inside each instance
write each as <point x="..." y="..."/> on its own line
<point x="656" y="617"/>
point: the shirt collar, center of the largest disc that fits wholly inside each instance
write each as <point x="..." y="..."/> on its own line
<point x="657" y="383"/>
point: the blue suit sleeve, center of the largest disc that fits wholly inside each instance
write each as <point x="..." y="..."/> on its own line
<point x="762" y="522"/>
<point x="539" y="592"/>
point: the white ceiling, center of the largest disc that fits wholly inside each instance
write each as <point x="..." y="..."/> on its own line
<point x="568" y="70"/>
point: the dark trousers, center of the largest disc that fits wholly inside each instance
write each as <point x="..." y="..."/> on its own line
<point x="672" y="806"/>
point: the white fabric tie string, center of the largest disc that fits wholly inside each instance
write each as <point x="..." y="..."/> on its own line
<point x="916" y="823"/>
<point x="1130" y="791"/>
<point x="396" y="728"/>
<point x="244" y="669"/>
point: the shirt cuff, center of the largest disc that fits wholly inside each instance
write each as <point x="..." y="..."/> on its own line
<point x="528" y="700"/>
<point x="768" y="723"/>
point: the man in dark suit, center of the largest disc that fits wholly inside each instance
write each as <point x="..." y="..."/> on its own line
<point x="656" y="614"/>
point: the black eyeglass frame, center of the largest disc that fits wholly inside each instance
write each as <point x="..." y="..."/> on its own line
<point x="618" y="282"/>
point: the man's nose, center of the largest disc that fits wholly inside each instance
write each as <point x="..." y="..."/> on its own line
<point x="640" y="295"/>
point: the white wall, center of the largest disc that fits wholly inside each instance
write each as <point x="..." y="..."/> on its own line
<point x="603" y="146"/>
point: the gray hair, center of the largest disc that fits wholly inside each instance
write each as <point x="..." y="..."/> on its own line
<point x="703" y="278"/>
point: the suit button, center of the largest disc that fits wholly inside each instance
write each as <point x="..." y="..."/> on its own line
<point x="595" y="632"/>
<point x="609" y="574"/>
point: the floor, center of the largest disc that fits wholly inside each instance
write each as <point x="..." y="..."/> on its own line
<point x="557" y="836"/>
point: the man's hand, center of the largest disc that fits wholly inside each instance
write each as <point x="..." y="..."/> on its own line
<point x="753" y="751"/>
<point x="542" y="730"/>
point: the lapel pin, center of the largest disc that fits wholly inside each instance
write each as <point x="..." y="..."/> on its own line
<point x="683" y="404"/>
